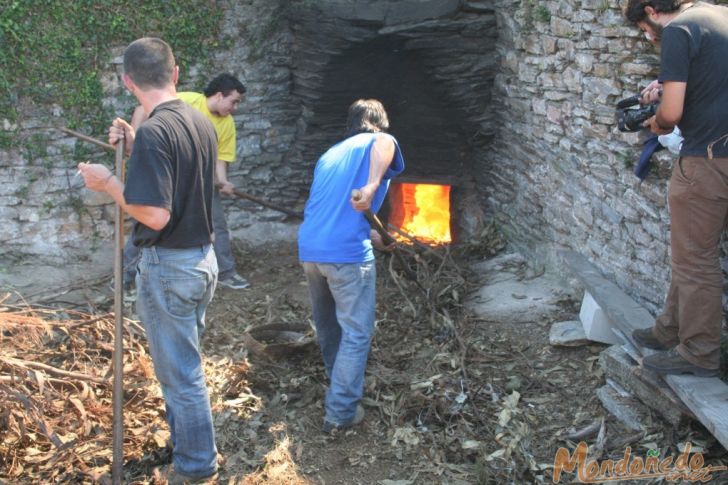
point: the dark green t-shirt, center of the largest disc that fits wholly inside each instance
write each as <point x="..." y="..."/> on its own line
<point x="694" y="49"/>
<point x="172" y="166"/>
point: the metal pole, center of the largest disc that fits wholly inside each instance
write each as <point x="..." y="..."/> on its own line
<point x="117" y="464"/>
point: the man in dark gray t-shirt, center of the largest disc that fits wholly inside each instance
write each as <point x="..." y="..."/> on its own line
<point x="167" y="169"/>
<point x="694" y="85"/>
<point x="169" y="194"/>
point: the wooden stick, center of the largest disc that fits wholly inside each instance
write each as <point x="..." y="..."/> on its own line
<point x="374" y="221"/>
<point x="117" y="464"/>
<point x="265" y="203"/>
<point x="27" y="365"/>
<point x="387" y="239"/>
<point x="83" y="137"/>
<point x="415" y="241"/>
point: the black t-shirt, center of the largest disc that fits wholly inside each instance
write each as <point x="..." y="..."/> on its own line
<point x="694" y="49"/>
<point x="172" y="166"/>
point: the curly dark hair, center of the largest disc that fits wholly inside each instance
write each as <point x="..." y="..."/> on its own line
<point x="224" y="83"/>
<point x="635" y="9"/>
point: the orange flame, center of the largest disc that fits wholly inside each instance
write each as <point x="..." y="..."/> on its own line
<point x="422" y="211"/>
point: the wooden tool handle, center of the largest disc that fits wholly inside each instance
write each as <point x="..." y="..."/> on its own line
<point x="265" y="203"/>
<point x="374" y="221"/>
<point x="83" y="137"/>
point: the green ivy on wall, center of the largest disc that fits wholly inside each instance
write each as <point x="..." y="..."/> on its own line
<point x="54" y="51"/>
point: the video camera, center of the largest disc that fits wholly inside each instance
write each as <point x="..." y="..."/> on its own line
<point x="630" y="119"/>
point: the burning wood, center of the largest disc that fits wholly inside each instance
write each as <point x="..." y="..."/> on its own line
<point x="422" y="211"/>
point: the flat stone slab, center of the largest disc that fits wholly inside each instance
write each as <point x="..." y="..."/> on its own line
<point x="707" y="398"/>
<point x="568" y="334"/>
<point x="597" y="326"/>
<point x="263" y="232"/>
<point x="514" y="292"/>
<point x="35" y="280"/>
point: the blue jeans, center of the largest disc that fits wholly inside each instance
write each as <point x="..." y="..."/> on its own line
<point x="174" y="288"/>
<point x="343" y="300"/>
<point x="223" y="249"/>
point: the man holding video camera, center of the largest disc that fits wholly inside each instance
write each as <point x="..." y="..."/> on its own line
<point x="693" y="81"/>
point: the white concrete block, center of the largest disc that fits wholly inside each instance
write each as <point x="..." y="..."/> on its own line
<point x="597" y="326"/>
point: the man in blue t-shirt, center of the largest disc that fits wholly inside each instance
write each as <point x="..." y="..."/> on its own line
<point x="693" y="79"/>
<point x="335" y="248"/>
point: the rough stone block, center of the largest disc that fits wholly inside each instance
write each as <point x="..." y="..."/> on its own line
<point x="625" y="408"/>
<point x="643" y="384"/>
<point x="597" y="326"/>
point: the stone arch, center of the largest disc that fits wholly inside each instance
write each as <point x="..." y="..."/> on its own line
<point x="432" y="64"/>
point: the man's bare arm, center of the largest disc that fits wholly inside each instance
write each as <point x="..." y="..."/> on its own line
<point x="380" y="158"/>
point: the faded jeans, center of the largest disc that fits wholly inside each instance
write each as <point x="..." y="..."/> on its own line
<point x="343" y="301"/>
<point x="223" y="249"/>
<point x="698" y="202"/>
<point x="174" y="288"/>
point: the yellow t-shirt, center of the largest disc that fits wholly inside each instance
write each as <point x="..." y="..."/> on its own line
<point x="224" y="125"/>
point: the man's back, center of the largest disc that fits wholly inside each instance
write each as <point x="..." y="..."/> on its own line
<point x="695" y="51"/>
<point x="332" y="231"/>
<point x="171" y="166"/>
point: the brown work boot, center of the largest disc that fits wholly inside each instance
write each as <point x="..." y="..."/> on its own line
<point x="645" y="337"/>
<point x="671" y="362"/>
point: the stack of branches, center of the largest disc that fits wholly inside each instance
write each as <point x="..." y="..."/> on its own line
<point x="56" y="390"/>
<point x="432" y="283"/>
<point x="431" y="288"/>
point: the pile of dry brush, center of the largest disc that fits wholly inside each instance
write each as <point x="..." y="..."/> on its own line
<point x="56" y="390"/>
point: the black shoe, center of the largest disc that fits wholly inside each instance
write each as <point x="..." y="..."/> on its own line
<point x="671" y="362"/>
<point x="330" y="427"/>
<point x="645" y="337"/>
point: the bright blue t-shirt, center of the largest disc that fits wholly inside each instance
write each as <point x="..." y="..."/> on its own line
<point x="332" y="231"/>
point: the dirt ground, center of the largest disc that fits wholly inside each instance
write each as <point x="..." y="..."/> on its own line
<point x="472" y="401"/>
<point x="450" y="397"/>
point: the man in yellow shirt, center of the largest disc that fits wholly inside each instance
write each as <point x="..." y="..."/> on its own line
<point x="218" y="101"/>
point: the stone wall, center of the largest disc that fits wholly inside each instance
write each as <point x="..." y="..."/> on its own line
<point x="46" y="213"/>
<point x="561" y="174"/>
<point x="512" y="98"/>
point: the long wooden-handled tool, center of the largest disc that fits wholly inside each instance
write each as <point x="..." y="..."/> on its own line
<point x="117" y="463"/>
<point x="117" y="466"/>
<point x="387" y="239"/>
<point x="374" y="221"/>
<point x="238" y="193"/>
<point x="265" y="203"/>
<point x="83" y="137"/>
